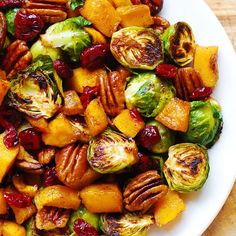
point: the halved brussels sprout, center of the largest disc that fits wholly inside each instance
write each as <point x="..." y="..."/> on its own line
<point x="179" y="43"/>
<point x="167" y="138"/>
<point x="137" y="48"/>
<point x="35" y="91"/>
<point x="186" y="168"/>
<point x="111" y="152"/>
<point x="148" y="93"/>
<point x="126" y="224"/>
<point x="205" y="123"/>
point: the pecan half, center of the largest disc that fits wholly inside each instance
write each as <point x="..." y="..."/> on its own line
<point x="186" y="81"/>
<point x="160" y="23"/>
<point x="46" y="155"/>
<point x="3" y="29"/>
<point x="51" y="218"/>
<point x="51" y="11"/>
<point x="18" y="57"/>
<point x="143" y="191"/>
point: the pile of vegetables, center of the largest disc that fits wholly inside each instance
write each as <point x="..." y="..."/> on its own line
<point x="105" y="122"/>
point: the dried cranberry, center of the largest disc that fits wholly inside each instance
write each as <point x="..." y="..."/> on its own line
<point x="148" y="136"/>
<point x="89" y="93"/>
<point x="201" y="93"/>
<point x="50" y="177"/>
<point x="27" y="25"/>
<point x="62" y="69"/>
<point x="94" y="56"/>
<point x="167" y="71"/>
<point x="83" y="228"/>
<point x="12" y="116"/>
<point x="10" y="3"/>
<point x="145" y="163"/>
<point x="17" y="199"/>
<point x="135" y="115"/>
<point x="30" y="139"/>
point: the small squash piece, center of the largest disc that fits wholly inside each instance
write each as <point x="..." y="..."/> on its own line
<point x="102" y="198"/>
<point x="102" y="14"/>
<point x="4" y="86"/>
<point x="127" y="124"/>
<point x="168" y="208"/>
<point x="205" y="62"/>
<point x="97" y="37"/>
<point x="135" y="15"/>
<point x="95" y="117"/>
<point x="57" y="196"/>
<point x="175" y="115"/>
<point x="10" y="228"/>
<point x="3" y="204"/>
<point x="40" y="124"/>
<point x="121" y="3"/>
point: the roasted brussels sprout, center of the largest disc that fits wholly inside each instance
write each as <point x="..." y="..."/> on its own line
<point x="83" y="213"/>
<point x="126" y="224"/>
<point x="167" y="138"/>
<point x="31" y="229"/>
<point x="179" y="43"/>
<point x="186" y="168"/>
<point x="148" y="93"/>
<point x="35" y="91"/>
<point x="137" y="48"/>
<point x="111" y="152"/>
<point x="69" y="36"/>
<point x="10" y="17"/>
<point x="38" y="49"/>
<point x="205" y="123"/>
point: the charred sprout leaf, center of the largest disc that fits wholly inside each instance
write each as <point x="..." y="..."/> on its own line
<point x="34" y="91"/>
<point x="76" y="3"/>
<point x="69" y="36"/>
<point x="167" y="138"/>
<point x="10" y="17"/>
<point x="186" y="168"/>
<point x="125" y="224"/>
<point x="148" y="93"/>
<point x="111" y="152"/>
<point x="137" y="48"/>
<point x="179" y="43"/>
<point x="205" y="123"/>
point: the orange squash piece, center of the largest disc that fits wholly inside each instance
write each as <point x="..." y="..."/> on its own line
<point x="40" y="124"/>
<point x="175" y="115"/>
<point x="10" y="228"/>
<point x="4" y="86"/>
<point x="97" y="37"/>
<point x="121" y="3"/>
<point x="3" y="204"/>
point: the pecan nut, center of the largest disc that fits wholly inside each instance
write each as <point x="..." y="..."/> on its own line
<point x="3" y="29"/>
<point x="186" y="81"/>
<point x="143" y="191"/>
<point x="50" y="11"/>
<point x="18" y="57"/>
<point x="46" y="155"/>
<point x="160" y="23"/>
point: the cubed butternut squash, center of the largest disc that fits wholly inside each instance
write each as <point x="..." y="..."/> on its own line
<point x="135" y="15"/>
<point x="168" y="208"/>
<point x="4" y="86"/>
<point x="40" y="124"/>
<point x="3" y="204"/>
<point x="121" y="3"/>
<point x="175" y="115"/>
<point x="205" y="62"/>
<point x="97" y="37"/>
<point x="127" y="124"/>
<point x="102" y="198"/>
<point x="10" y="228"/>
<point x="102" y="14"/>
<point x="95" y="117"/>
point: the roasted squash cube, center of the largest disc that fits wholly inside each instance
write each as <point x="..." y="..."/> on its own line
<point x="12" y="229"/>
<point x="40" y="124"/>
<point x="97" y="37"/>
<point x="4" y="86"/>
<point x="121" y="3"/>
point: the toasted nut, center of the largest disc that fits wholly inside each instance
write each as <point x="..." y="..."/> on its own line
<point x="186" y="81"/>
<point x="160" y="23"/>
<point x="3" y="29"/>
<point x="17" y="58"/>
<point x="51" y="217"/>
<point x="46" y="155"/>
<point x="143" y="191"/>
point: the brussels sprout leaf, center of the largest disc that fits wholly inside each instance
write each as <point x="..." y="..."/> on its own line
<point x="76" y="3"/>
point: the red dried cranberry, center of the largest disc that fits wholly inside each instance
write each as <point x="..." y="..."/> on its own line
<point x="62" y="69"/>
<point x="30" y="139"/>
<point x="145" y="163"/>
<point x="50" y="177"/>
<point x="17" y="199"/>
<point x="148" y="136"/>
<point x="89" y="93"/>
<point x="27" y="25"/>
<point x="83" y="228"/>
<point x="201" y="93"/>
<point x="94" y="56"/>
<point x="167" y="71"/>
<point x="135" y="115"/>
<point x="10" y="3"/>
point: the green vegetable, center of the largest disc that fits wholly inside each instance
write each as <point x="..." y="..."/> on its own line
<point x="31" y="229"/>
<point x="76" y="3"/>
<point x="83" y="213"/>
<point x="148" y="93"/>
<point x="126" y="224"/>
<point x="137" y="48"/>
<point x="179" y="43"/>
<point x="111" y="152"/>
<point x="39" y="49"/>
<point x="10" y="17"/>
<point x="69" y="36"/>
<point x="35" y="91"/>
<point x="205" y="123"/>
<point x="186" y="168"/>
<point x="160" y="163"/>
<point x="167" y="138"/>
